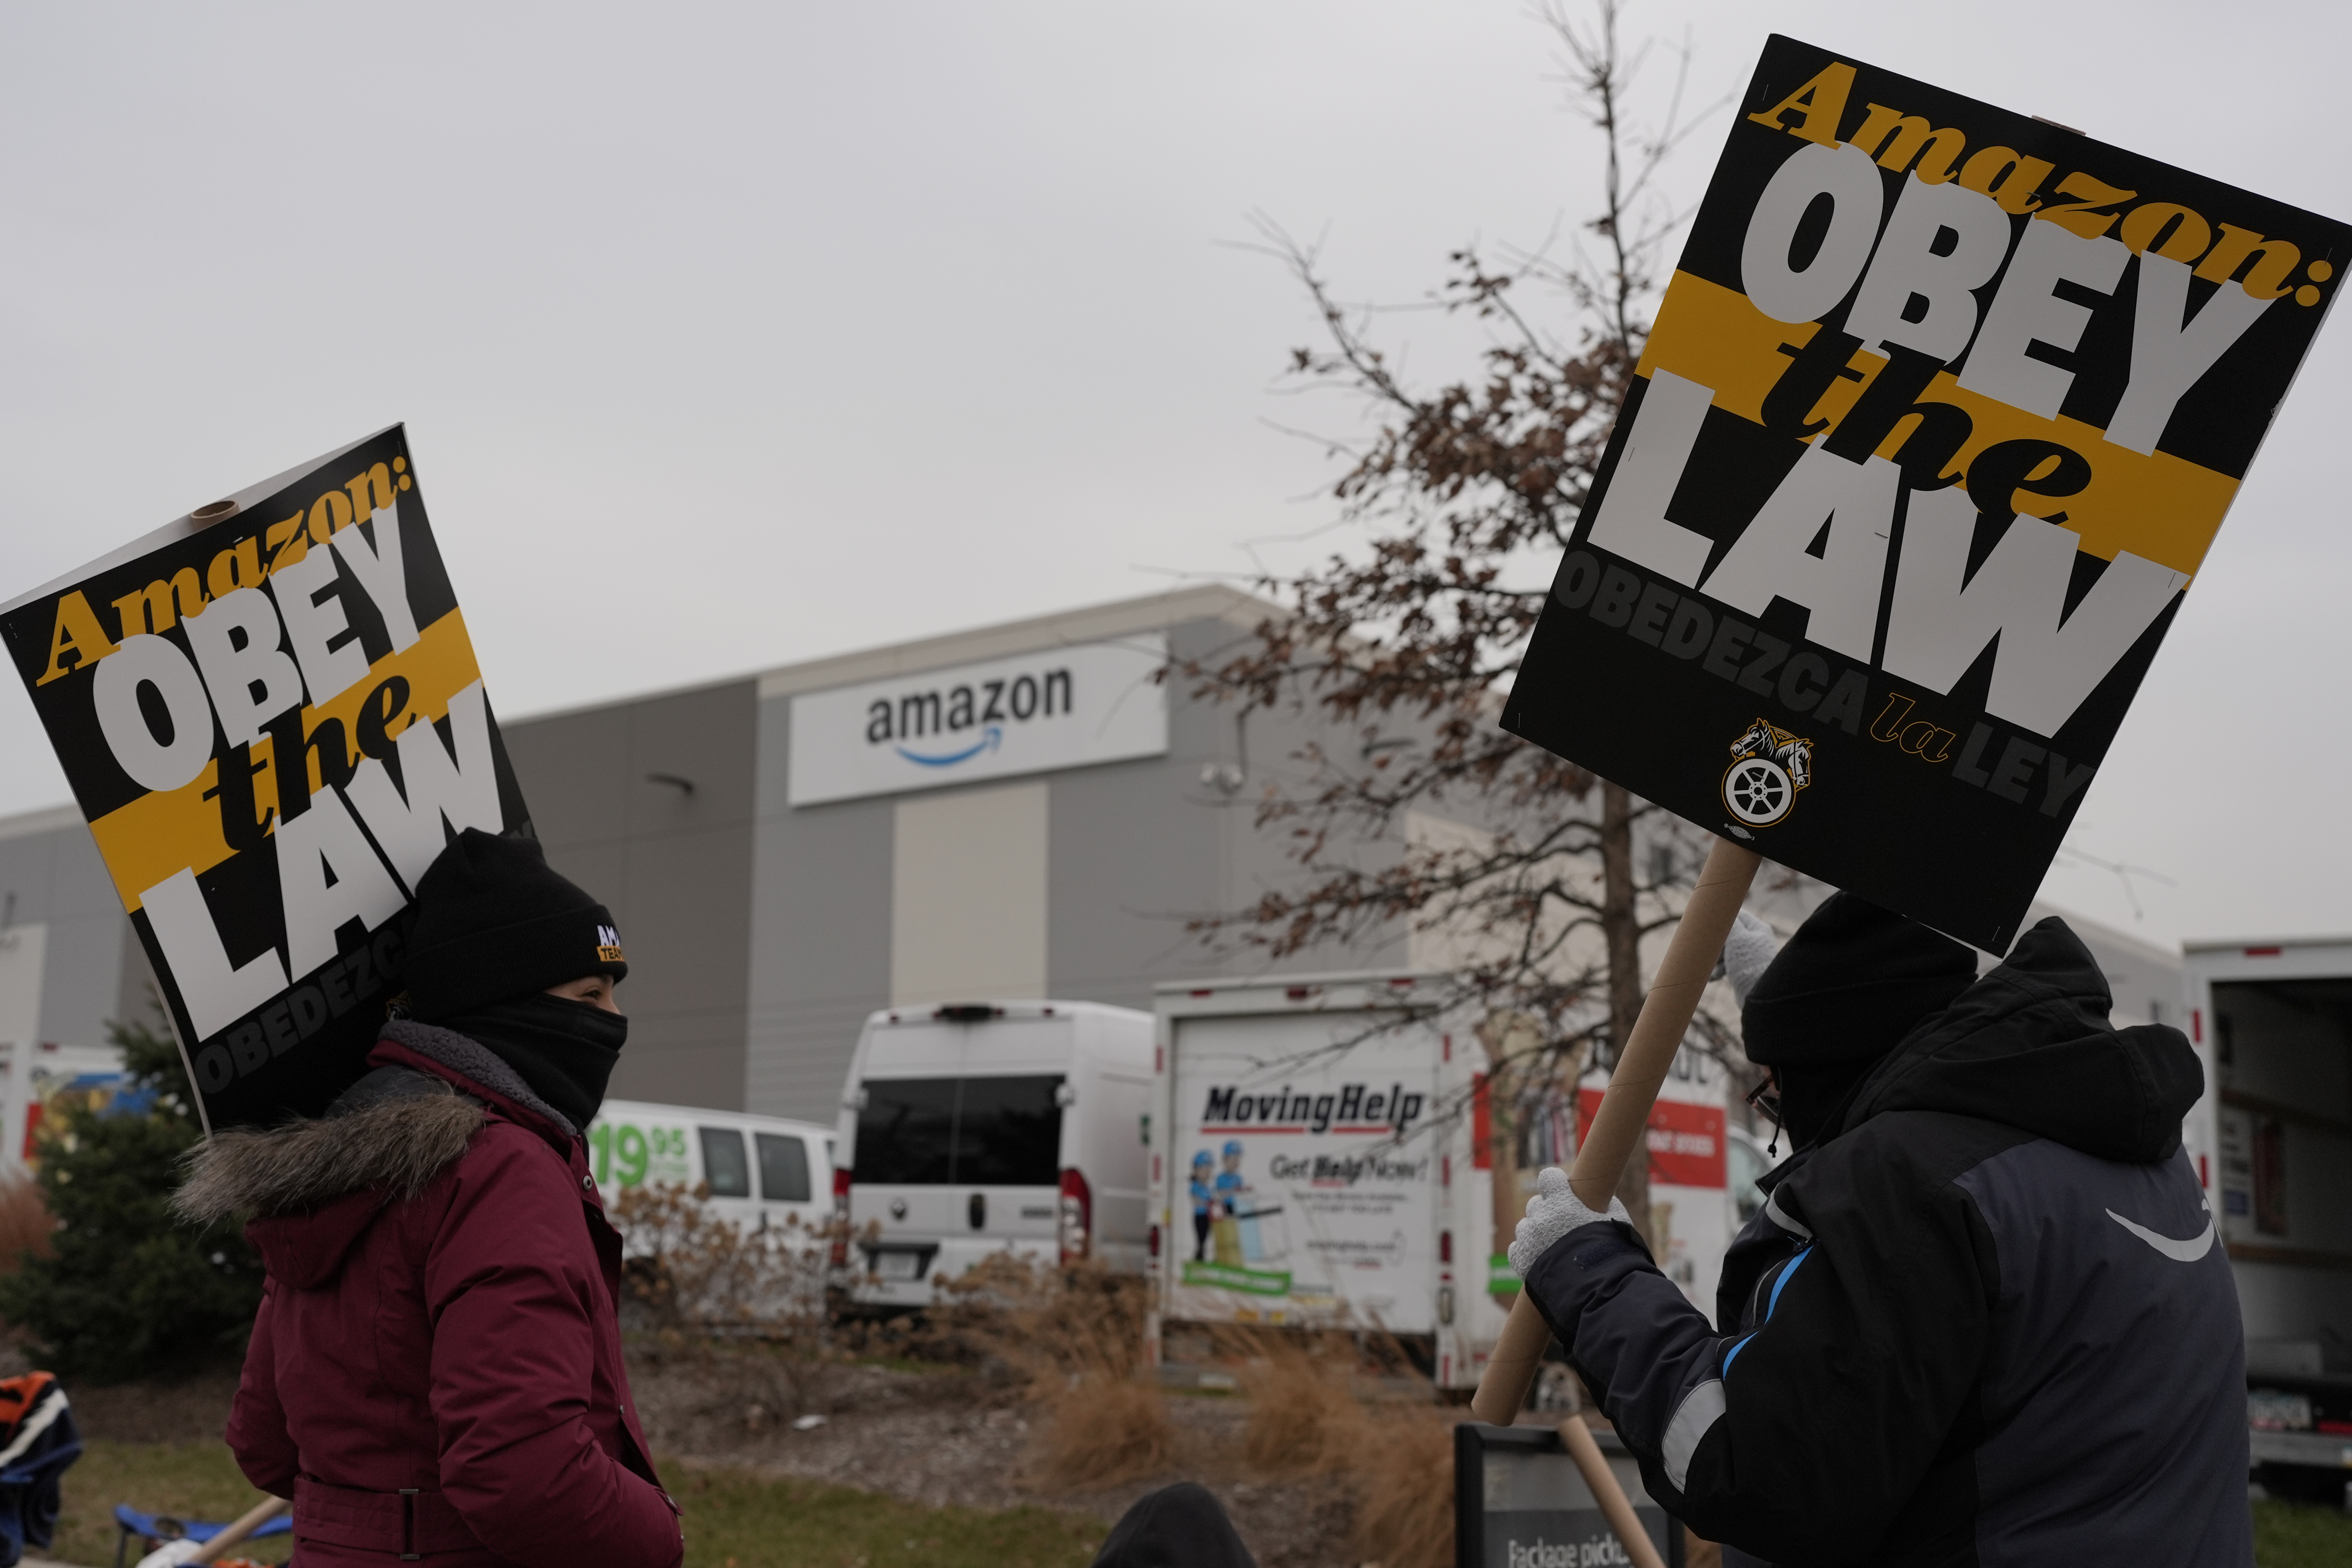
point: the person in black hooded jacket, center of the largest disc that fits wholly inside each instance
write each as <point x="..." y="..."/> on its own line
<point x="1982" y="1318"/>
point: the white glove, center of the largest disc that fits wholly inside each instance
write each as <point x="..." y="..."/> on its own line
<point x="1746" y="952"/>
<point x="171" y="1553"/>
<point x="1552" y="1213"/>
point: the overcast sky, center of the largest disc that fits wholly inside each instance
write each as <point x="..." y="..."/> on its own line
<point x="728" y="337"/>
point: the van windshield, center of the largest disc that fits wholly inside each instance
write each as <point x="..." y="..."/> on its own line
<point x="1008" y="1134"/>
<point x="977" y="1132"/>
<point x="906" y="1132"/>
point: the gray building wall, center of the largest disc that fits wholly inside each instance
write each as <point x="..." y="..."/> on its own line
<point x="92" y="973"/>
<point x="1134" y="849"/>
<point x="1140" y="848"/>
<point x="673" y="864"/>
<point x="820" y="926"/>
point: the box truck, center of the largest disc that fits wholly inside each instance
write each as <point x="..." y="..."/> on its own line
<point x="2272" y="1140"/>
<point x="1325" y="1155"/>
<point x="1314" y="1165"/>
<point x="987" y="1127"/>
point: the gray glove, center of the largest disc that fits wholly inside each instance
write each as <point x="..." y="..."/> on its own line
<point x="1552" y="1213"/>
<point x="1746" y="952"/>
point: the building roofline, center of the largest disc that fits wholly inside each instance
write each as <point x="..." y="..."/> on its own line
<point x="2114" y="936"/>
<point x="2237" y="944"/>
<point x="42" y="819"/>
<point x="1089" y="623"/>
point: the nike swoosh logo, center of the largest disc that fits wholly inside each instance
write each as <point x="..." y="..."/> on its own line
<point x="2189" y="1251"/>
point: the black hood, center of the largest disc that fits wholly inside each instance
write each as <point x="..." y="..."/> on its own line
<point x="2031" y="1045"/>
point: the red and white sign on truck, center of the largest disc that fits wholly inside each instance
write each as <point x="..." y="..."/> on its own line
<point x="1690" y="1207"/>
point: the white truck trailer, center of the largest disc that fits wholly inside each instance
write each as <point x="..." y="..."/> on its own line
<point x="1313" y="1165"/>
<point x="2272" y="1142"/>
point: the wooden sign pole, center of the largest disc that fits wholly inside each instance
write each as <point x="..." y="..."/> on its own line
<point x="1601" y="1481"/>
<point x="1619" y="1126"/>
<point x="261" y="1513"/>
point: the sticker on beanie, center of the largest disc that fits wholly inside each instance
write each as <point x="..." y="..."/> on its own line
<point x="608" y="946"/>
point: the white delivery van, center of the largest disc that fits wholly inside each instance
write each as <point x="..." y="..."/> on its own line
<point x="991" y="1126"/>
<point x="763" y="1171"/>
<point x="1314" y="1163"/>
<point x="2271" y="1140"/>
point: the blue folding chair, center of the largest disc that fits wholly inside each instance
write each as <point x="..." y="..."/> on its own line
<point x="155" y="1528"/>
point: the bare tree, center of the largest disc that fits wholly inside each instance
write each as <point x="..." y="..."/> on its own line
<point x="1460" y="506"/>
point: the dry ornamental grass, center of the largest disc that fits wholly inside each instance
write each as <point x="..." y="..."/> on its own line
<point x="1064" y="1347"/>
<point x="1312" y="1412"/>
<point x="1093" y="1433"/>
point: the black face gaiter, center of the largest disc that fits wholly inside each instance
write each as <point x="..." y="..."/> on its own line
<point x="563" y="1049"/>
<point x="1814" y="1097"/>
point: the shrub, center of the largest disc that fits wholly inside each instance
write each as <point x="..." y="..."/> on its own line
<point x="126" y="1291"/>
<point x="1070" y="1340"/>
<point x="1304" y="1418"/>
<point x="1404" y="1481"/>
<point x="26" y="1226"/>
<point x="693" y="1271"/>
<point x="749" y="1305"/>
<point x="1313" y="1412"/>
<point x="1096" y="1431"/>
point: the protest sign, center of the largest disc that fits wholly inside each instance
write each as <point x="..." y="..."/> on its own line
<point x="1941" y="409"/>
<point x="270" y="714"/>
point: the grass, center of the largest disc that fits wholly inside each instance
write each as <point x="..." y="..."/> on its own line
<point x="2301" y="1535"/>
<point x="737" y="1520"/>
<point x="732" y="1519"/>
<point x="195" y="1481"/>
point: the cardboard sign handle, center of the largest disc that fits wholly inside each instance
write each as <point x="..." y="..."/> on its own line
<point x="1601" y="1481"/>
<point x="261" y="1513"/>
<point x="1618" y="1126"/>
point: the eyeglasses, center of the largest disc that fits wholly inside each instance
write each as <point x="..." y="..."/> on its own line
<point x="1766" y="1098"/>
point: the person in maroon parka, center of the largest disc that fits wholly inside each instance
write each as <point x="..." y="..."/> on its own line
<point x="435" y="1372"/>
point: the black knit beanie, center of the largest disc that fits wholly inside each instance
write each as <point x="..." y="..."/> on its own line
<point x="493" y="920"/>
<point x="1849" y="985"/>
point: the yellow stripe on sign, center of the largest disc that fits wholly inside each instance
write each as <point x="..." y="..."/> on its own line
<point x="2159" y="507"/>
<point x="161" y="833"/>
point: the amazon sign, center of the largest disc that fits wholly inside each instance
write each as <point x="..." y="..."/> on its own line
<point x="1036" y="713"/>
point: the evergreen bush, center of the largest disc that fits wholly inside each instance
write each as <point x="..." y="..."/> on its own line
<point x="128" y="1290"/>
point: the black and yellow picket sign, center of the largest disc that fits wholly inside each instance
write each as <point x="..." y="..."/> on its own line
<point x="1942" y="407"/>
<point x="270" y="714"/>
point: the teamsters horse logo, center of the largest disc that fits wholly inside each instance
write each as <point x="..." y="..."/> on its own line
<point x="1768" y="766"/>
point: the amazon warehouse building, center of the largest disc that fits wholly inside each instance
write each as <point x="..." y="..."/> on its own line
<point x="1021" y="811"/>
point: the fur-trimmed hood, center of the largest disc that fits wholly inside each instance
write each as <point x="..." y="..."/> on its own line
<point x="390" y="1132"/>
<point x="315" y="1184"/>
<point x="395" y="1144"/>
